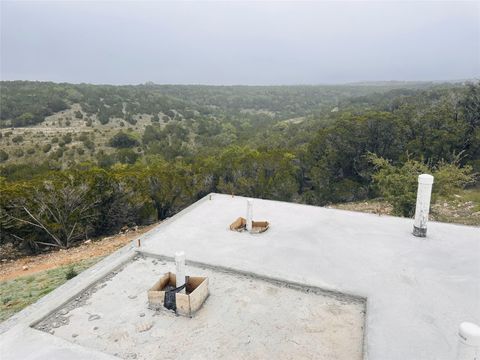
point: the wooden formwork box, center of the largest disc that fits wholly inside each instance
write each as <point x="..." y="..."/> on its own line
<point x="257" y="226"/>
<point x="187" y="303"/>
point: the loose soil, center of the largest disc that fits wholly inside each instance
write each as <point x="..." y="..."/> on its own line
<point x="91" y="249"/>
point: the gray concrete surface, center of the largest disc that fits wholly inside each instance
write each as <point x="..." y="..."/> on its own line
<point x="418" y="290"/>
<point x="22" y="342"/>
<point x="243" y="318"/>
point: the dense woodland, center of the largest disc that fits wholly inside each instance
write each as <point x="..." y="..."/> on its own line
<point x="132" y="155"/>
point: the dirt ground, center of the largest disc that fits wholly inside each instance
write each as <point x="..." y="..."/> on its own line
<point x="90" y="249"/>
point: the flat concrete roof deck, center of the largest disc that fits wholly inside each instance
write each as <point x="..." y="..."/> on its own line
<point x="418" y="290"/>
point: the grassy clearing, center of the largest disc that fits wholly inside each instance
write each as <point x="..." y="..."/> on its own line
<point x="23" y="291"/>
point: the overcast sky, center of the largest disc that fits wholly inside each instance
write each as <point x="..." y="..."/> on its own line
<point x="239" y="42"/>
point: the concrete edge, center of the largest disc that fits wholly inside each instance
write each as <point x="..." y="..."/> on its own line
<point x="171" y="219"/>
<point x="338" y="295"/>
<point x="51" y="302"/>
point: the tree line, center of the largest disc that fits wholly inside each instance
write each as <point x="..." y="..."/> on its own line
<point x="376" y="145"/>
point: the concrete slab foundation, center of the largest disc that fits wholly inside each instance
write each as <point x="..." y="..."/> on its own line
<point x="244" y="317"/>
<point x="418" y="290"/>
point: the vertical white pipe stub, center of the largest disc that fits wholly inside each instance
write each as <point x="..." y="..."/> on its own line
<point x="422" y="208"/>
<point x="180" y="269"/>
<point x="249" y="214"/>
<point x="468" y="341"/>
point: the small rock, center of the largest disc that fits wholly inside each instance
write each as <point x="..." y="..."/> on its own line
<point x="95" y="328"/>
<point x="24" y="267"/>
<point x="132" y="296"/>
<point x="144" y="326"/>
<point x="74" y="335"/>
<point x="56" y="324"/>
<point x="94" y="317"/>
<point x="52" y="332"/>
<point x="88" y="241"/>
<point x="142" y="315"/>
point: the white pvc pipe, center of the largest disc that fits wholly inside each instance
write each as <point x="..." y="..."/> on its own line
<point x="249" y="214"/>
<point x="180" y="269"/>
<point x="422" y="208"/>
<point x="468" y="342"/>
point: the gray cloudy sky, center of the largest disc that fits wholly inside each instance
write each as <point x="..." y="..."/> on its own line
<point x="239" y="42"/>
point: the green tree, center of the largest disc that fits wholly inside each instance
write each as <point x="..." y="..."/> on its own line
<point x="398" y="184"/>
<point x="123" y="140"/>
<point x="3" y="156"/>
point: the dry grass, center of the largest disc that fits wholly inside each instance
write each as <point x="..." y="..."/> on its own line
<point x="18" y="293"/>
<point x="460" y="208"/>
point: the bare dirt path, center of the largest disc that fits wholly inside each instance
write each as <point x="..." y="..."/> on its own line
<point x="32" y="264"/>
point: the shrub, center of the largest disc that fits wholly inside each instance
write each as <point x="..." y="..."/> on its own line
<point x="83" y="136"/>
<point x="3" y="156"/>
<point x="67" y="138"/>
<point x="31" y="151"/>
<point x="122" y="140"/>
<point x="71" y="273"/>
<point x="130" y="119"/>
<point x="18" y="152"/>
<point x="89" y="144"/>
<point x="17" y="139"/>
<point x="398" y="184"/>
<point x="46" y="148"/>
<point x="78" y="115"/>
<point x="103" y="118"/>
<point x="126" y="156"/>
<point x="450" y="177"/>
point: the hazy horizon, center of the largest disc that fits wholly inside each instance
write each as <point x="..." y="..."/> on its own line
<point x="240" y="43"/>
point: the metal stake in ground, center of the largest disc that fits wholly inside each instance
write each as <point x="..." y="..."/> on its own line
<point x="180" y="269"/>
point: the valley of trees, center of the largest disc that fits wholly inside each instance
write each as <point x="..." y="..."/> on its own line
<point x="308" y="144"/>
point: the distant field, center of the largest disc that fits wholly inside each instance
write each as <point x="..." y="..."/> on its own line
<point x="35" y="139"/>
